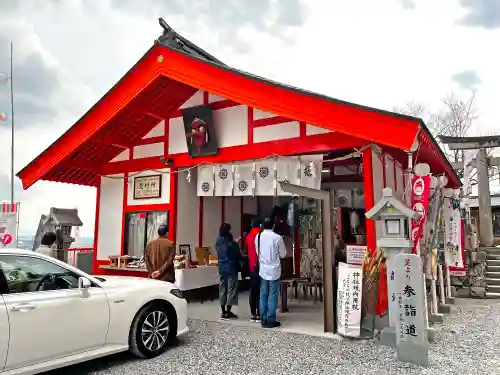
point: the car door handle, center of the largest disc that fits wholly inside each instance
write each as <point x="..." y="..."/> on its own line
<point x="23" y="307"/>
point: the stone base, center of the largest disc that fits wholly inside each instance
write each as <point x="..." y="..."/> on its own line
<point x="387" y="336"/>
<point x="444" y="309"/>
<point x="436" y="318"/>
<point x="450" y="300"/>
<point x="381" y="322"/>
<point x="416" y="354"/>
<point x="431" y="335"/>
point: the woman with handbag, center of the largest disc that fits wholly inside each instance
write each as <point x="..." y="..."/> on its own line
<point x="253" y="265"/>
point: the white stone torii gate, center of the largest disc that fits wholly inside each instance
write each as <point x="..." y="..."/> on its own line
<point x="481" y="163"/>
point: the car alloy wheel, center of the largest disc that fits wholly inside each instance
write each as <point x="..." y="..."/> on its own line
<point x="155" y="330"/>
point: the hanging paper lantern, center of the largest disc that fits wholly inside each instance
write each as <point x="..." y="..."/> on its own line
<point x="422" y="169"/>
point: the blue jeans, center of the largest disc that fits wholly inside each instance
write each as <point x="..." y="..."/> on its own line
<point x="269" y="294"/>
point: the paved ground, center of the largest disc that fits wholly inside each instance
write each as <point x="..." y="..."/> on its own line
<point x="468" y="343"/>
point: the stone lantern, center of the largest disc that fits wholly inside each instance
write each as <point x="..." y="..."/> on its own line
<point x="394" y="218"/>
<point x="60" y="221"/>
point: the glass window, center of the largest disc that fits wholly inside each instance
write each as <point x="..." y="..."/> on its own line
<point x="142" y="227"/>
<point x="29" y="274"/>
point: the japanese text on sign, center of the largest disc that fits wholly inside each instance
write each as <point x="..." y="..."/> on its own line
<point x="349" y="300"/>
<point x="147" y="187"/>
<point x="412" y="343"/>
<point x="355" y="254"/>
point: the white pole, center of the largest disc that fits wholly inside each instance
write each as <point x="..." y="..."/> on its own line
<point x="434" y="296"/>
<point x="426" y="310"/>
<point x="441" y="284"/>
<point x="12" y="125"/>
<point x="448" y="282"/>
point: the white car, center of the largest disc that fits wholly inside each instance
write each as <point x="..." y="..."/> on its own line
<point x="53" y="315"/>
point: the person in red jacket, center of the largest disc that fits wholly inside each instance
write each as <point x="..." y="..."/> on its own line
<point x="253" y="265"/>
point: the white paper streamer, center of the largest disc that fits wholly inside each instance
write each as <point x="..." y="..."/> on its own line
<point x="243" y="179"/>
<point x="224" y="180"/>
<point x="205" y="181"/>
<point x="264" y="177"/>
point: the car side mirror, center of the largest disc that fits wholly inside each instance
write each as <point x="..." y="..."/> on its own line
<point x="84" y="285"/>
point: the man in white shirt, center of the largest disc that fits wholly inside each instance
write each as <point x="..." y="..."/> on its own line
<point x="45" y="247"/>
<point x="270" y="248"/>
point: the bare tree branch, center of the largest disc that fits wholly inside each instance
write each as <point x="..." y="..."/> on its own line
<point x="455" y="119"/>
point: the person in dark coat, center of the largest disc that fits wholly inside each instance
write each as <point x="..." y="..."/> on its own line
<point x="229" y="257"/>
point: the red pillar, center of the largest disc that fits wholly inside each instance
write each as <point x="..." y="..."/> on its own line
<point x="371" y="238"/>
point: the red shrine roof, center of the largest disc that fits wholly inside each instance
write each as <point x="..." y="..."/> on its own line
<point x="169" y="74"/>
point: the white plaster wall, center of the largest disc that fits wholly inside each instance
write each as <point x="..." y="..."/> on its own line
<point x="250" y="205"/>
<point x="109" y="238"/>
<point x="276" y="132"/>
<point x="212" y="98"/>
<point x="176" y="136"/>
<point x="212" y="219"/>
<point x="147" y="151"/>
<point x="232" y="214"/>
<point x="187" y="213"/>
<point x="157" y="131"/>
<point x="121" y="157"/>
<point x="195" y="100"/>
<point x="165" y="189"/>
<point x="260" y="115"/>
<point x="231" y="126"/>
<point x="389" y="173"/>
<point x="313" y="130"/>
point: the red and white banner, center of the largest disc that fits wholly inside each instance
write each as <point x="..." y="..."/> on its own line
<point x="460" y="271"/>
<point x="420" y="192"/>
<point x="453" y="237"/>
<point x="8" y="225"/>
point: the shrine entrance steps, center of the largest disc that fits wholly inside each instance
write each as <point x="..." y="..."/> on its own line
<point x="492" y="272"/>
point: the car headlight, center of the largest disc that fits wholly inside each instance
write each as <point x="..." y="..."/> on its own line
<point x="177" y="293"/>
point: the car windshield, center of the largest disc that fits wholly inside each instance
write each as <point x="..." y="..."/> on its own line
<point x="28" y="274"/>
<point x="29" y="267"/>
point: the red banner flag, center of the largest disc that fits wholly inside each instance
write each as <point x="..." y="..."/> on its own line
<point x="420" y="191"/>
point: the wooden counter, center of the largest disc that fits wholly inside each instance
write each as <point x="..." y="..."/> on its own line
<point x="124" y="271"/>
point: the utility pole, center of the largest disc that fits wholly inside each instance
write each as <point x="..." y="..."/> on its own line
<point x="4" y="78"/>
<point x="12" y="124"/>
<point x="482" y="163"/>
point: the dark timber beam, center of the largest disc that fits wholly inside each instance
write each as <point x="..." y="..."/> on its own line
<point x="329" y="269"/>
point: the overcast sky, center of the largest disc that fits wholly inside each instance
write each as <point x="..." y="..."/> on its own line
<point x="382" y="53"/>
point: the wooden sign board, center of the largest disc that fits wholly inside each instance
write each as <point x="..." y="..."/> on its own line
<point x="147" y="187"/>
